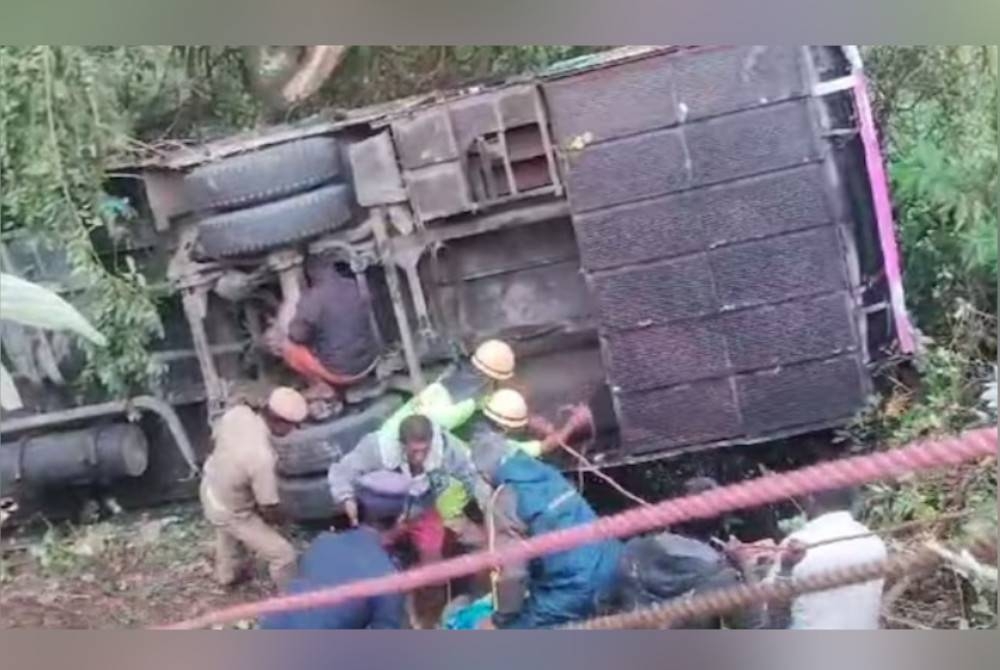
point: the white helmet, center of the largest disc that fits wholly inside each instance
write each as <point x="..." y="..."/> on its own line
<point x="507" y="408"/>
<point x="495" y="359"/>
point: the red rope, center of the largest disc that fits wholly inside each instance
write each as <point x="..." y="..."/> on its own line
<point x="853" y="471"/>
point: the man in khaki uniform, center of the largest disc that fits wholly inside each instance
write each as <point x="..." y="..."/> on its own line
<point x="239" y="489"/>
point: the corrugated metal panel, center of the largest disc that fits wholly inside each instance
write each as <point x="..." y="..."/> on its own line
<point x="779" y="268"/>
<point x="705" y="234"/>
<point x="679" y="415"/>
<point x="715" y="82"/>
<point x="676" y="289"/>
<point x="800" y="395"/>
<point x="696" y="220"/>
<point x="612" y="102"/>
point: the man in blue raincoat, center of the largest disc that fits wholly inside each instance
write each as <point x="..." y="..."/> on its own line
<point x="532" y="498"/>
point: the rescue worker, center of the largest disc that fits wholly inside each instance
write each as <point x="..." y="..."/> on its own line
<point x="592" y="418"/>
<point x="339" y="558"/>
<point x="454" y="403"/>
<point x="852" y="607"/>
<point x="422" y="451"/>
<point x="330" y="339"/>
<point x="532" y="498"/>
<point x="453" y="399"/>
<point x="239" y="489"/>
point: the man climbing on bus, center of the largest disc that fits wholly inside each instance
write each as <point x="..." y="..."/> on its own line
<point x="330" y="340"/>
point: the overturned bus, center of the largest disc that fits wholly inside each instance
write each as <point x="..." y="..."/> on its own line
<point x="697" y="240"/>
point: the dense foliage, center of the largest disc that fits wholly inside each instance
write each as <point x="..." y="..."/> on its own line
<point x="939" y="111"/>
<point x="62" y="117"/>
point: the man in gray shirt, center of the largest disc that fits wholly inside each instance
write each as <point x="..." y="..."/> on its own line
<point x="426" y="453"/>
<point x="330" y="340"/>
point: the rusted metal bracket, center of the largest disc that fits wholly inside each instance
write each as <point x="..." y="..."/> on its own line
<point x="550" y="153"/>
<point x="408" y="257"/>
<point x="520" y="216"/>
<point x="360" y="255"/>
<point x="378" y="220"/>
<point x="195" y="301"/>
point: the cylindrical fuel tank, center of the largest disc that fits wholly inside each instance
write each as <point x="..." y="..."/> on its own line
<point x="86" y="456"/>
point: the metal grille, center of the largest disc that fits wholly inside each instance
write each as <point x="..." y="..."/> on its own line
<point x="800" y="395"/>
<point x="695" y="154"/>
<point x="673" y="354"/>
<point x="676" y="289"/>
<point x="728" y="343"/>
<point x="779" y="268"/>
<point x="612" y="102"/>
<point x="700" y="412"/>
<point x="751" y="142"/>
<point x="706" y="234"/>
<point x="656" y="163"/>
<point x="728" y="80"/>
<point x="794" y="331"/>
<point x="693" y="221"/>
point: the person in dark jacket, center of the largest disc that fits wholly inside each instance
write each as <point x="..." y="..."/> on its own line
<point x="681" y="563"/>
<point x="339" y="558"/>
<point x="330" y="340"/>
<point x="533" y="498"/>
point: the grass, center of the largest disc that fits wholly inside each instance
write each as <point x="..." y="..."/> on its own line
<point x="135" y="570"/>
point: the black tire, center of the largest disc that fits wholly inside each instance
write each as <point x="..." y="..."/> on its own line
<point x="263" y="175"/>
<point x="276" y="224"/>
<point x="306" y="498"/>
<point x="311" y="450"/>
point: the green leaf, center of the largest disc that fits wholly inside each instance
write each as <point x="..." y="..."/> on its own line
<point x="33" y="305"/>
<point x="10" y="399"/>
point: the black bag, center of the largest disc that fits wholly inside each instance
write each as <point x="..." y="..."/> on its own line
<point x="658" y="568"/>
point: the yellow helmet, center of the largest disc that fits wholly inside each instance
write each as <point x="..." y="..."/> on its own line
<point x="507" y="408"/>
<point x="495" y="359"/>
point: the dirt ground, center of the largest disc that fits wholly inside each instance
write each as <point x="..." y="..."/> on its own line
<point x="133" y="571"/>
